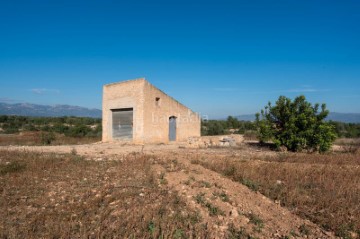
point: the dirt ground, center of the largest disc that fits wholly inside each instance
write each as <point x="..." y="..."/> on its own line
<point x="220" y="201"/>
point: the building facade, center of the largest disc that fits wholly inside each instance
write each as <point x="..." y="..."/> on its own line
<point x="136" y="111"/>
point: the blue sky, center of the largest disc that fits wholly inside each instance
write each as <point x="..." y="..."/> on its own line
<point x="217" y="57"/>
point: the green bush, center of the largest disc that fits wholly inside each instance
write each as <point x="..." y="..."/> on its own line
<point x="78" y="131"/>
<point x="213" y="127"/>
<point x="11" y="130"/>
<point x="47" y="137"/>
<point x="297" y="125"/>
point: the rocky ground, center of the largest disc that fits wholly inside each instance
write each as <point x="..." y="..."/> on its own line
<point x="224" y="205"/>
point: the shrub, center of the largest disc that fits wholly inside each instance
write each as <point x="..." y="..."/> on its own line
<point x="297" y="125"/>
<point x="47" y="138"/>
<point x="11" y="131"/>
<point x="213" y="127"/>
<point x="78" y="131"/>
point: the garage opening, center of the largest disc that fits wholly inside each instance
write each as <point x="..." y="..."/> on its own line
<point x="172" y="128"/>
<point x="122" y="123"/>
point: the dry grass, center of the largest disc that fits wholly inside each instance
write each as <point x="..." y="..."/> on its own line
<point x="66" y="196"/>
<point x="322" y="188"/>
<point x="348" y="141"/>
<point x="66" y="140"/>
<point x="349" y="145"/>
<point x="34" y="138"/>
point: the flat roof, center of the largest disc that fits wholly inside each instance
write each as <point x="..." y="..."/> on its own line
<point x="126" y="81"/>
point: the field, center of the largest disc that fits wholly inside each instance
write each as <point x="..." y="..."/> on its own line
<point x="66" y="196"/>
<point x="39" y="138"/>
<point x="322" y="188"/>
<point x="22" y="130"/>
<point x="170" y="191"/>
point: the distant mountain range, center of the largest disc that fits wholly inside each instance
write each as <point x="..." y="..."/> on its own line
<point x="246" y="117"/>
<point x="344" y="117"/>
<point x="26" y="109"/>
<point x="341" y="117"/>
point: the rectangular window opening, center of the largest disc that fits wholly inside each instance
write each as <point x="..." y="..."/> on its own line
<point x="157" y="101"/>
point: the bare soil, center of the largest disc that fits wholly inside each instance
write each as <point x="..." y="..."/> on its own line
<point x="227" y="208"/>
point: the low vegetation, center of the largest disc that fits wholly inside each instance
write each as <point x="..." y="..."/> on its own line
<point x="346" y="130"/>
<point x="249" y="129"/>
<point x="230" y="125"/>
<point x="322" y="188"/>
<point x="213" y="210"/>
<point x="44" y="138"/>
<point x="21" y="130"/>
<point x="67" y="196"/>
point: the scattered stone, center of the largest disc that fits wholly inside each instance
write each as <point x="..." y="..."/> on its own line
<point x="234" y="213"/>
<point x="215" y="141"/>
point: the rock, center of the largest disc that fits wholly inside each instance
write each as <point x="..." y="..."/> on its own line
<point x="223" y="228"/>
<point x="354" y="235"/>
<point x="234" y="213"/>
<point x="214" y="141"/>
<point x="228" y="141"/>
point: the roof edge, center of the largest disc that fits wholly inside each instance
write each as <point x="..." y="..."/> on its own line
<point x="126" y="81"/>
<point x="172" y="98"/>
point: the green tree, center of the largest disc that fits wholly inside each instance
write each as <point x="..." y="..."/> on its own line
<point x="213" y="127"/>
<point x="232" y="122"/>
<point x="296" y="124"/>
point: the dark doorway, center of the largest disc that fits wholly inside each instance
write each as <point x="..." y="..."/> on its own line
<point x="122" y="123"/>
<point x="172" y="128"/>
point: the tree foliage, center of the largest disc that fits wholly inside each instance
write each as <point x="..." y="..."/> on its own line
<point x="220" y="127"/>
<point x="66" y="125"/>
<point x="346" y="130"/>
<point x="297" y="125"/>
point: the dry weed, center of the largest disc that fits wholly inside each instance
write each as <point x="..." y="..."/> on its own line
<point x="34" y="138"/>
<point x="66" y="196"/>
<point x="322" y="188"/>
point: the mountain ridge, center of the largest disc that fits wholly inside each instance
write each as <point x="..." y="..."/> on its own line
<point x="37" y="110"/>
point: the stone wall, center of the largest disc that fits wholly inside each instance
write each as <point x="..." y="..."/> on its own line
<point x="215" y="141"/>
<point x="157" y="110"/>
<point x="127" y="94"/>
<point x="152" y="109"/>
